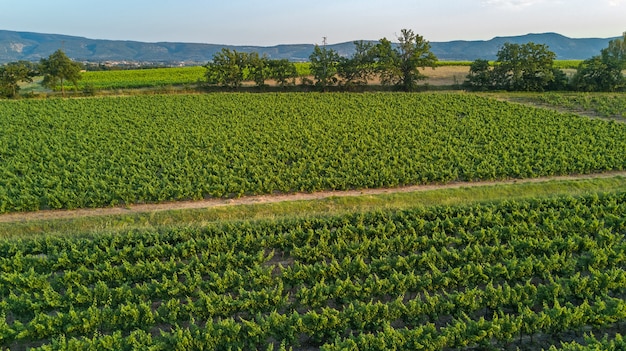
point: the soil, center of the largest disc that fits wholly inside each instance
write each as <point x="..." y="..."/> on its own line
<point x="209" y="203"/>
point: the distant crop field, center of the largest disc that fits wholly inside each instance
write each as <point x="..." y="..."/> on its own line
<point x="141" y="78"/>
<point x="94" y="152"/>
<point x="567" y="64"/>
<point x="154" y="77"/>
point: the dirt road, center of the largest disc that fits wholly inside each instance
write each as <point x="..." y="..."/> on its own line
<point x="180" y="205"/>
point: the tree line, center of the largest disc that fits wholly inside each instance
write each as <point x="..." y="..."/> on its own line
<point x="530" y="67"/>
<point x="395" y="65"/>
<point x="57" y="70"/>
<point x="518" y="67"/>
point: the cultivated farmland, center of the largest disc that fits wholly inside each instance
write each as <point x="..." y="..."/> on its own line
<point x="501" y="270"/>
<point x="122" y="150"/>
<point x="526" y="274"/>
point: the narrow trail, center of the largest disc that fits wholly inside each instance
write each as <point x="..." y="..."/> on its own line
<point x="261" y="199"/>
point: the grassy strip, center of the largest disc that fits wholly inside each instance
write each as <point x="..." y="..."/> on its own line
<point x="332" y="205"/>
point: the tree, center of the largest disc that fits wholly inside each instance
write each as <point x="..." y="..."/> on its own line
<point x="400" y="65"/>
<point x="358" y="69"/>
<point x="227" y="68"/>
<point x="386" y="62"/>
<point x="258" y="68"/>
<point x="414" y="53"/>
<point x="603" y="72"/>
<point x="480" y="76"/>
<point x="57" y="69"/>
<point x="283" y="71"/>
<point x="524" y="67"/>
<point x="14" y="73"/>
<point x="324" y="66"/>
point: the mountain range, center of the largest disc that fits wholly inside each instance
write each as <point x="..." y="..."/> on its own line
<point x="29" y="46"/>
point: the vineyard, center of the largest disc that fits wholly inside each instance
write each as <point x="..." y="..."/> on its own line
<point x="141" y="78"/>
<point x="154" y="77"/>
<point x="533" y="274"/>
<point x="99" y="152"/>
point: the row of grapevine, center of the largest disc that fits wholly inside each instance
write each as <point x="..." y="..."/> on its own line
<point x="109" y="151"/>
<point x="489" y="275"/>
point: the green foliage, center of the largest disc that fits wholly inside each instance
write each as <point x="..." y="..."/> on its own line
<point x="14" y="73"/>
<point x="259" y="68"/>
<point x="324" y="62"/>
<point x="227" y="68"/>
<point x="231" y="68"/>
<point x="603" y="72"/>
<point x="399" y="65"/>
<point x="480" y="77"/>
<point x="413" y="52"/>
<point x="57" y="69"/>
<point x="519" y="67"/>
<point x="283" y="72"/>
<point x="596" y="75"/>
<point x="486" y="276"/>
<point x="122" y="150"/>
<point x="591" y="343"/>
<point x="358" y="69"/>
<point x="525" y="67"/>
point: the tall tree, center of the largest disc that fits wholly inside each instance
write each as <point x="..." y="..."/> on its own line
<point x="283" y="71"/>
<point x="14" y="73"/>
<point x="57" y="69"/>
<point x="400" y="65"/>
<point x="324" y="66"/>
<point x="227" y="68"/>
<point x="525" y="67"/>
<point x="387" y="62"/>
<point x="480" y="76"/>
<point x="414" y="52"/>
<point x="603" y="72"/>
<point x="358" y="69"/>
<point x="258" y="68"/>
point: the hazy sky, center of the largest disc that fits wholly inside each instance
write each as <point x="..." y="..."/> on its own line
<point x="271" y="22"/>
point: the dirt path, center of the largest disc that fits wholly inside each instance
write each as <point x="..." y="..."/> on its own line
<point x="181" y="205"/>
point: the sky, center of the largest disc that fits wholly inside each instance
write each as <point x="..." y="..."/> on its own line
<point x="273" y="22"/>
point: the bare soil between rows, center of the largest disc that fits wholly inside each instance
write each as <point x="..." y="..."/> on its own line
<point x="274" y="198"/>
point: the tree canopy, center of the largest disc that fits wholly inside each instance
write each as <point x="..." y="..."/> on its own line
<point x="57" y="69"/>
<point x="397" y="65"/>
<point x="230" y="68"/>
<point x="519" y="67"/>
<point x="524" y="67"/>
<point x="14" y="73"/>
<point x="605" y="71"/>
<point x="324" y="62"/>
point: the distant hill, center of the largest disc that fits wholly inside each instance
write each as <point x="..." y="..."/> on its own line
<point x="34" y="46"/>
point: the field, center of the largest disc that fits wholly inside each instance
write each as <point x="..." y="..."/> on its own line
<point x="99" y="152"/>
<point x="527" y="273"/>
<point x="141" y="78"/>
<point x="431" y="221"/>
